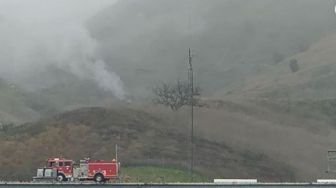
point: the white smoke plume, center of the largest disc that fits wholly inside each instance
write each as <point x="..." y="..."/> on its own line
<point x="37" y="34"/>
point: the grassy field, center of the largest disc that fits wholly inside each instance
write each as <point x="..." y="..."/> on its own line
<point x="147" y="174"/>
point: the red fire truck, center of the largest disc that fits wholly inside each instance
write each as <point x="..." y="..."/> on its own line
<point x="62" y="169"/>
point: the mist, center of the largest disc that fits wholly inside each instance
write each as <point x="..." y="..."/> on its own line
<point x="232" y="40"/>
<point x="38" y="35"/>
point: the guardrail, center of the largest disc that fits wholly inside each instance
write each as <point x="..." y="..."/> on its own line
<point x="217" y="183"/>
<point x="161" y="185"/>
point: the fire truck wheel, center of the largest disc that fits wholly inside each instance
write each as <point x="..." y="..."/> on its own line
<point x="99" y="178"/>
<point x="61" y="177"/>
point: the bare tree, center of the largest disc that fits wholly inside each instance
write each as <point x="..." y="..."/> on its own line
<point x="293" y="65"/>
<point x="175" y="95"/>
<point x="4" y="127"/>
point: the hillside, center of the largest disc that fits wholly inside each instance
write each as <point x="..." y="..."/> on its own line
<point x="266" y="140"/>
<point x="143" y="138"/>
<point x="315" y="79"/>
<point x="146" y="42"/>
<point x="14" y="105"/>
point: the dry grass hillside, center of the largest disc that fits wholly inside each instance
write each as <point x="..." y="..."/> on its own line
<point x="295" y="133"/>
<point x="261" y="139"/>
<point x="144" y="138"/>
<point x="314" y="80"/>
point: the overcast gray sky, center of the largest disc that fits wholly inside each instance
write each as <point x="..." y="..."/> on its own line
<point x="42" y="10"/>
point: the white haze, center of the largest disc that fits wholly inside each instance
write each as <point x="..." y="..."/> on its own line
<point x="38" y="34"/>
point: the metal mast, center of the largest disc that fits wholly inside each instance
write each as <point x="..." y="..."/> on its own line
<point x="191" y="86"/>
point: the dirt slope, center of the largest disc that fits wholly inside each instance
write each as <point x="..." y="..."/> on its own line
<point x="143" y="138"/>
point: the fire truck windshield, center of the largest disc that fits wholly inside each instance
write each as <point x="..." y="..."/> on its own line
<point x="51" y="164"/>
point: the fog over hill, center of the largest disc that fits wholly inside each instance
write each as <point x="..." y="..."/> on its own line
<point x="122" y="48"/>
<point x="39" y="37"/>
<point x="48" y="59"/>
<point x="314" y="80"/>
<point x="232" y="40"/>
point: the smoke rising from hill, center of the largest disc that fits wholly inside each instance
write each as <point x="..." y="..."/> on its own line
<point x="38" y="35"/>
<point x="233" y="40"/>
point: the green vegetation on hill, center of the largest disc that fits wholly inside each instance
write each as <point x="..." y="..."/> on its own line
<point x="152" y="174"/>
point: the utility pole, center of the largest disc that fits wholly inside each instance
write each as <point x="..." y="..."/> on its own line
<point x="116" y="152"/>
<point x="191" y="86"/>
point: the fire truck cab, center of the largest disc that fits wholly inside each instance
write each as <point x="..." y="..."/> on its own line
<point x="64" y="167"/>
